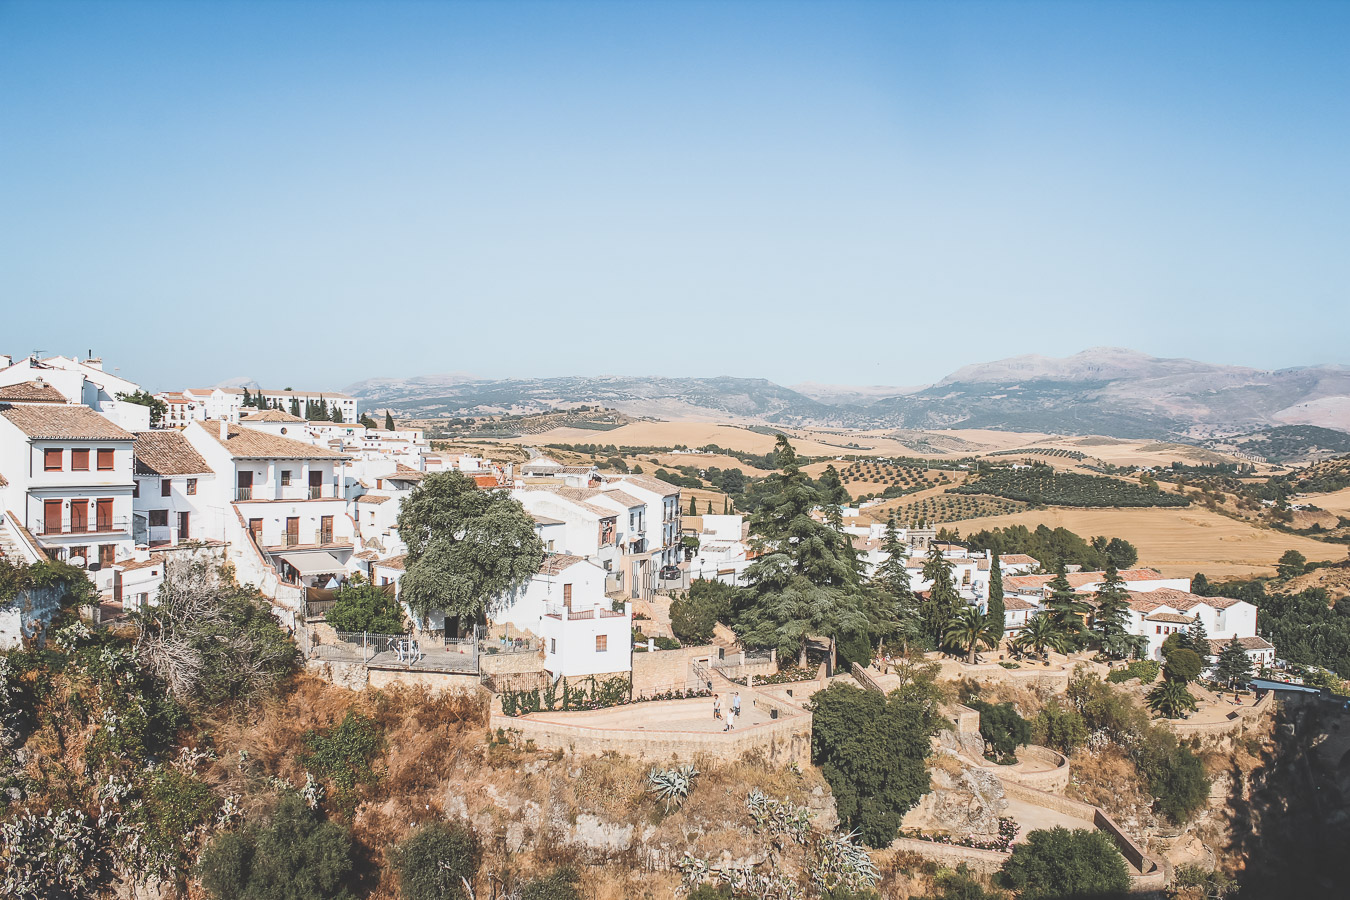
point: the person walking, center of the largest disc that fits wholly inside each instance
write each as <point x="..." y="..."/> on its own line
<point x="736" y="702"/>
<point x="717" y="706"/>
<point x="731" y="720"/>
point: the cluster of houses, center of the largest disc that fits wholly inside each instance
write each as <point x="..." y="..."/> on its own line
<point x="299" y="505"/>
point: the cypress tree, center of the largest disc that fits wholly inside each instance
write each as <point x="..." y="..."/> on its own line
<point x="388" y="421"/>
<point x="996" y="608"/>
<point x="710" y="512"/>
<point x="248" y="398"/>
<point x="726" y="506"/>
<point x="295" y="406"/>
<point x="693" y="506"/>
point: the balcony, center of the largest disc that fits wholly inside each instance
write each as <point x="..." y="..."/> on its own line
<point x="243" y="493"/>
<point x="307" y="539"/>
<point x="287" y="492"/>
<point x="114" y="525"/>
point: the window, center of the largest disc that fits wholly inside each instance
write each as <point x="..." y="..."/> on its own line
<point x="553" y="645"/>
<point x="51" y="516"/>
<point x="105" y="460"/>
<point x="191" y="486"/>
<point x="285" y="477"/>
<point x="80" y="553"/>
<point x="1157" y="629"/>
<point x="159" y="518"/>
<point x="165" y="486"/>
<point x="52" y="460"/>
<point x="601" y="643"/>
<point x="79" y="515"/>
<point x="103" y="511"/>
<point x="79" y="460"/>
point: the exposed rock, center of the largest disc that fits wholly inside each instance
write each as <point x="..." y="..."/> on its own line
<point x="966" y="804"/>
<point x="961" y="743"/>
<point x="593" y="833"/>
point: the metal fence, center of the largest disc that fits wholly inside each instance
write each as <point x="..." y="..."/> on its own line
<point x="401" y="651"/>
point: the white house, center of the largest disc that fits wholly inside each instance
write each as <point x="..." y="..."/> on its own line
<point x="565" y="605"/>
<point x="68" y="473"/>
<point x="284" y="496"/>
<point x="722" y="553"/>
<point x="1157" y="614"/>
<point x="83" y="382"/>
<point x="175" y="489"/>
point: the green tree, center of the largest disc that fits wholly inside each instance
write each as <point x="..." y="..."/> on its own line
<point x="467" y="547"/>
<point x="1170" y="698"/>
<point x="1176" y="776"/>
<point x="295" y="407"/>
<point x="1111" y="618"/>
<point x="388" y="421"/>
<point x="1065" y="606"/>
<point x="710" y="509"/>
<point x="892" y="579"/>
<point x="432" y="862"/>
<point x="249" y="399"/>
<point x="1291" y="564"/>
<point x="1200" y="584"/>
<point x="1183" y="664"/>
<point x="344" y="755"/>
<point x="143" y="397"/>
<point x="1060" y="864"/>
<point x="362" y="606"/>
<point x="693" y="506"/>
<point x="1003" y="730"/>
<point x="694" y="615"/>
<point x="968" y="631"/>
<point x="780" y="609"/>
<point x="833" y="487"/>
<point x="997" y="611"/>
<point x="367" y="421"/>
<point x="1060" y="727"/>
<point x="872" y="750"/>
<point x="1197" y="638"/>
<point x="1039" y="636"/>
<point x="1234" y="666"/>
<point x="297" y="856"/>
<point x="942" y="601"/>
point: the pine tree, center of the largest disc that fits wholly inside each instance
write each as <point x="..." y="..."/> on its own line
<point x="1064" y="606"/>
<point x="1198" y="639"/>
<point x="997" y="611"/>
<point x="367" y="421"/>
<point x="1234" y="666"/>
<point x="388" y="421"/>
<point x="1112" y="614"/>
<point x="943" y="599"/>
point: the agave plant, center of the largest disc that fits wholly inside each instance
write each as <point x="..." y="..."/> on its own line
<point x="778" y="816"/>
<point x="672" y="785"/>
<point x="841" y="862"/>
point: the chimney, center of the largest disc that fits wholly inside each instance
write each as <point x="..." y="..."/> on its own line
<point x="224" y="430"/>
<point x="94" y="362"/>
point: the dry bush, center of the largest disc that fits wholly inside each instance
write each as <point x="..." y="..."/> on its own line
<point x="1108" y="778"/>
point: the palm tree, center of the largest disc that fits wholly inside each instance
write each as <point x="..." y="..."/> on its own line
<point x="1170" y="699"/>
<point x="1039" y="635"/>
<point x="969" y="630"/>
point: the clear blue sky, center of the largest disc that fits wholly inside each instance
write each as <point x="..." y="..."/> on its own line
<point x="866" y="193"/>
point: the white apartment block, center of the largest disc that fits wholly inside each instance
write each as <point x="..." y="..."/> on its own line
<point x="175" y="499"/>
<point x="80" y="382"/>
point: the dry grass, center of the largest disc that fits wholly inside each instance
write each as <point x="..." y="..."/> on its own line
<point x="1176" y="541"/>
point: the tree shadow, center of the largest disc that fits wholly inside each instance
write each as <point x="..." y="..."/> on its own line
<point x="1294" y="828"/>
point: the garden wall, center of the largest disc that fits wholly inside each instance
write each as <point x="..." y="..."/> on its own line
<point x="663" y="670"/>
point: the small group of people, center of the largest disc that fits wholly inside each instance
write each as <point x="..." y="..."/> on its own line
<point x="732" y="714"/>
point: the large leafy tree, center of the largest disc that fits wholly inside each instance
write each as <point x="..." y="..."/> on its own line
<point x="1112" y="615"/>
<point x="891" y="579"/>
<point x="467" y="547"/>
<point x="872" y="750"/>
<point x="1059" y="863"/>
<point x="833" y="487"/>
<point x="142" y="397"/>
<point x="362" y="606"/>
<point x="781" y="609"/>
<point x="997" y="611"/>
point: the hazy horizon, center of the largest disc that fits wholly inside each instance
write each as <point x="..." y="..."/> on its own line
<point x="847" y="194"/>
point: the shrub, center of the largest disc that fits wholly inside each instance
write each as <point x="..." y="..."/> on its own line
<point x="1059" y="727"/>
<point x="432" y="861"/>
<point x="1183" y="665"/>
<point x="344" y="754"/>
<point x="1146" y="670"/>
<point x="561" y="884"/>
<point x="694" y="615"/>
<point x="298" y="856"/>
<point x="366" y="607"/>
<point x="1059" y="863"/>
<point x="1176" y="776"/>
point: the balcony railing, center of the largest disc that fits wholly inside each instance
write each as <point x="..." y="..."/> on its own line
<point x="316" y="492"/>
<point x="286" y="492"/>
<point x="306" y="538"/>
<point x="96" y="526"/>
<point x="243" y="493"/>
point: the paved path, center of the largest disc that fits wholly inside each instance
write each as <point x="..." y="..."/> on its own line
<point x="661" y="715"/>
<point x="1034" y="818"/>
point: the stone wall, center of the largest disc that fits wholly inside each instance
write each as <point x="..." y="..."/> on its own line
<point x="1144" y="864"/>
<point x="1055" y="780"/>
<point x="28" y="614"/>
<point x="1238" y="722"/>
<point x="509" y="663"/>
<point x="986" y="862"/>
<point x="662" y="670"/>
<point x="437" y="682"/>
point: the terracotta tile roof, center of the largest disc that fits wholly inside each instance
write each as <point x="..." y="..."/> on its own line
<point x="367" y="555"/>
<point x="373" y="499"/>
<point x="1017" y="603"/>
<point x="61" y="422"/>
<point x="545" y="520"/>
<point x="393" y="562"/>
<point x="1079" y="580"/>
<point x="167" y="453"/>
<point x="983" y="565"/>
<point x="579" y="496"/>
<point x="271" y="415"/>
<point x="486" y="481"/>
<point x="1216" y="645"/>
<point x="156" y="559"/>
<point x="1019" y="559"/>
<point x="1185" y="600"/>
<point x="625" y="499"/>
<point x="31" y="392"/>
<point x="554" y="563"/>
<point x="404" y="472"/>
<point x="1172" y="618"/>
<point x="249" y="443"/>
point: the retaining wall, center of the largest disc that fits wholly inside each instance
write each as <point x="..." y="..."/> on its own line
<point x="510" y="663"/>
<point x="781" y="741"/>
<point x="1241" y="719"/>
<point x="1053" y="781"/>
<point x="667" y="669"/>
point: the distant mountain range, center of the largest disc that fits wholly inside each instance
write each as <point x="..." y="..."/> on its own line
<point x="1104" y="390"/>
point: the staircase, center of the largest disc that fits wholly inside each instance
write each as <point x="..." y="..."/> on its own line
<point x="12" y="547"/>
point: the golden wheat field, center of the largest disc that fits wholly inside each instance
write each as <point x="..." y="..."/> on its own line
<point x="1176" y="541"/>
<point x="1338" y="502"/>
